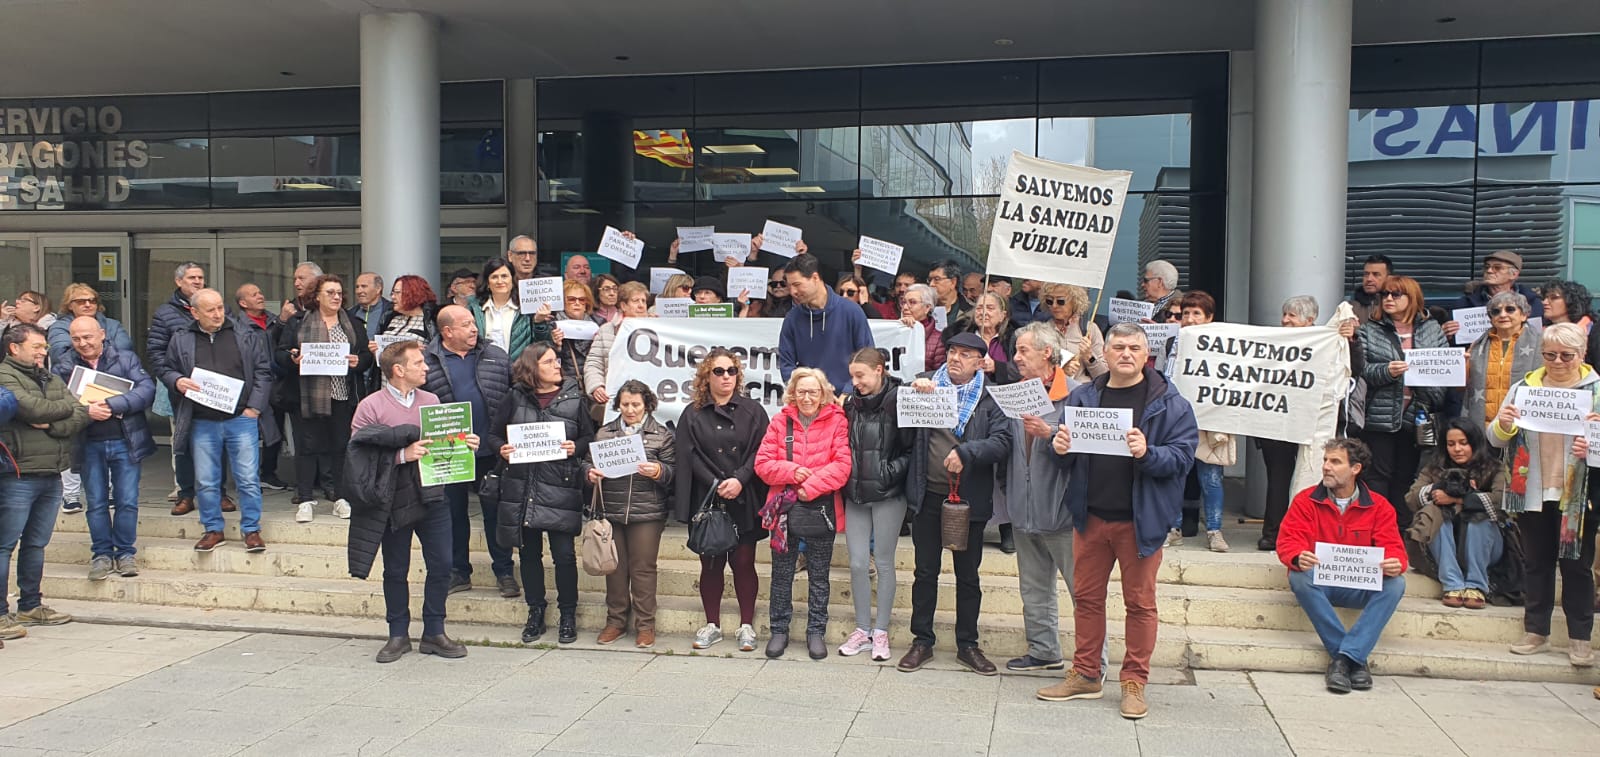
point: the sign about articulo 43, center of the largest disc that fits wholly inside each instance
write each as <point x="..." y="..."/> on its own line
<point x="1056" y="222"/>
<point x="1259" y="381"/>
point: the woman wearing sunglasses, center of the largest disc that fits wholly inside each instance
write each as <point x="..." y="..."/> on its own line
<point x="1504" y="354"/>
<point x="1400" y="323"/>
<point x="1067" y="305"/>
<point x="81" y="300"/>
<point x="1550" y="495"/>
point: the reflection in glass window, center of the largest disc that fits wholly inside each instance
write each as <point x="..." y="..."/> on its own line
<point x="1406" y="138"/>
<point x="940" y="159"/>
<point x="286" y="170"/>
<point x="747" y="162"/>
<point x="98" y="172"/>
<point x="1154" y="147"/>
<point x="1537" y="139"/>
<point x="1426" y="231"/>
<point x="1532" y="221"/>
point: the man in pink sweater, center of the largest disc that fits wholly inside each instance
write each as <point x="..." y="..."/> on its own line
<point x="389" y="503"/>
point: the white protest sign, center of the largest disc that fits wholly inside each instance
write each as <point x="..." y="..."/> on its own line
<point x="664" y="354"/>
<point x="747" y="279"/>
<point x="1157" y="335"/>
<point x="935" y="409"/>
<point x="1536" y="323"/>
<point x="1130" y="311"/>
<point x="386" y="340"/>
<point x="617" y="457"/>
<point x="673" y="307"/>
<point x="1263" y="381"/>
<point x="724" y="246"/>
<point x="1346" y="567"/>
<point x="1591" y="432"/>
<point x="617" y="247"/>
<point x="780" y="238"/>
<point x="324" y="358"/>
<point x="545" y="290"/>
<point x="695" y="238"/>
<point x="1099" y="430"/>
<point x="659" y="276"/>
<point x="536" y="442"/>
<point x="1022" y="398"/>
<point x="216" y="391"/>
<point x="881" y="255"/>
<point x="1440" y="366"/>
<point x="941" y="317"/>
<point x="1547" y="409"/>
<point x="1056" y="222"/>
<point x="1474" y="323"/>
<point x="581" y="329"/>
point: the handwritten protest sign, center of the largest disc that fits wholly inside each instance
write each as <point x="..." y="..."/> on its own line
<point x="617" y="247"/>
<point x="659" y="276"/>
<point x="536" y="442"/>
<point x="1099" y="430"/>
<point x="881" y="255"/>
<point x="1130" y="311"/>
<point x="1262" y="381"/>
<point x="1474" y="323"/>
<point x="941" y="317"/>
<point x="1441" y="366"/>
<point x="449" y="460"/>
<point x="673" y="307"/>
<point x="216" y="391"/>
<point x="695" y="238"/>
<point x="617" y="457"/>
<point x="747" y="279"/>
<point x="324" y="358"/>
<point x="936" y="409"/>
<point x="780" y="238"/>
<point x="724" y="246"/>
<point x="1547" y="409"/>
<point x="1022" y="398"/>
<point x="1346" y="567"/>
<point x="386" y="340"/>
<point x="1056" y="222"/>
<point x="1157" y="335"/>
<point x="545" y="290"/>
<point x="1591" y="432"/>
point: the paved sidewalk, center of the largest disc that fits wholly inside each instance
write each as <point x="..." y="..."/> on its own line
<point x="121" y="690"/>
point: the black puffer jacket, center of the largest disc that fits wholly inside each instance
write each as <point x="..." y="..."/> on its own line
<point x="382" y="494"/>
<point x="547" y="496"/>
<point x="636" y="499"/>
<point x="1380" y="346"/>
<point x="494" y="383"/>
<point x="880" y="451"/>
<point x="173" y="316"/>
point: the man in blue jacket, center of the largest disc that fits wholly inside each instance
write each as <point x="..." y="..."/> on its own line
<point x="111" y="448"/>
<point x="822" y="330"/>
<point x="1121" y="507"/>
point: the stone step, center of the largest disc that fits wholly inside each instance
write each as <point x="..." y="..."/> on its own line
<point x="1190" y="564"/>
<point x="307" y="568"/>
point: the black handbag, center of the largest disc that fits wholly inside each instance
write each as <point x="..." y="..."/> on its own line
<point x="808" y="519"/>
<point x="711" y="530"/>
<point x="489" y="485"/>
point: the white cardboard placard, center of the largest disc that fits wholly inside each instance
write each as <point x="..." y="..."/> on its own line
<point x="880" y="255"/>
<point x="780" y="238"/>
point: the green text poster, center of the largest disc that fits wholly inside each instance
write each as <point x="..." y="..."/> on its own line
<point x="449" y="459"/>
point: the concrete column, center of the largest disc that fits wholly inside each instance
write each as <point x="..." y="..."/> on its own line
<point x="522" y="158"/>
<point x="400" y="145"/>
<point x="1302" y="102"/>
<point x="1241" y="117"/>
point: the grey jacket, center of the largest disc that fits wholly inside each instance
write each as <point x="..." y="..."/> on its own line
<point x="1386" y="404"/>
<point x="257" y="358"/>
<point x="1524" y="360"/>
<point x="1036" y="487"/>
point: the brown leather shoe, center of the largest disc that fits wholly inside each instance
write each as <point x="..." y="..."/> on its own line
<point x="608" y="635"/>
<point x="211" y="540"/>
<point x="646" y="640"/>
<point x="443" y="646"/>
<point x="253" y="542"/>
<point x="184" y="506"/>
<point x="228" y="505"/>
<point x="973" y="658"/>
<point x="918" y="655"/>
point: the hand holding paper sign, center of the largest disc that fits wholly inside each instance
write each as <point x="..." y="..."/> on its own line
<point x="1062" y="443"/>
<point x="1587" y="446"/>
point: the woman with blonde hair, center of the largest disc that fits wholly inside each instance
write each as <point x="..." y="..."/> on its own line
<point x="81" y="300"/>
<point x="579" y="308"/>
<point x="1069" y="307"/>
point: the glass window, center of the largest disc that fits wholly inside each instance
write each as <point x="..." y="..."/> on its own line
<point x="940" y="159"/>
<point x="1413" y="138"/>
<point x="81" y="263"/>
<point x="1550" y="60"/>
<point x="270" y="267"/>
<point x="286" y="170"/>
<point x="567" y="228"/>
<point x="1539" y="134"/>
<point x="778" y="92"/>
<point x="342" y="260"/>
<point x="1529" y="220"/>
<point x="472" y="166"/>
<point x="89" y="172"/>
<point x="1132" y="77"/>
<point x="15" y="264"/>
<point x="830" y="228"/>
<point x="1155" y="147"/>
<point x="1425" y="230"/>
<point x="775" y="157"/>
<point x="1387" y="68"/>
<point x="932" y="229"/>
<point x="961" y="85"/>
<point x="1585" y="240"/>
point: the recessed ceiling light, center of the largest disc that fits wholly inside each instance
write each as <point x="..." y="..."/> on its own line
<point x="772" y="172"/>
<point x="673" y="150"/>
<point x="1445" y="20"/>
<point x="306" y="186"/>
<point x="621" y="57"/>
<point x="797" y="190"/>
<point x="1003" y="42"/>
<point x="732" y="149"/>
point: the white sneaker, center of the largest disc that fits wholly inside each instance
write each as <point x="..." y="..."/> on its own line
<point x="306" y="512"/>
<point x="1215" y="542"/>
<point x="1174" y="538"/>
<point x="708" y="634"/>
<point x="747" y="638"/>
<point x="341" y="508"/>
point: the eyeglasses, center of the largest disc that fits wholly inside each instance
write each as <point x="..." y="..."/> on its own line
<point x="1560" y="357"/>
<point x="524" y="253"/>
<point x="334" y="294"/>
<point x="808" y="392"/>
<point x="86" y="301"/>
<point x="1390" y="293"/>
<point x="577" y="299"/>
<point x="608" y="288"/>
<point x="851" y="292"/>
<point x="720" y="372"/>
<point x="1058" y="302"/>
<point x="1148" y="279"/>
<point x="777" y="285"/>
<point x="1170" y="315"/>
<point x="1505" y="310"/>
<point x="1497" y="268"/>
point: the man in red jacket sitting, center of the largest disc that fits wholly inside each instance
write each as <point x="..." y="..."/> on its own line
<point x="1342" y="511"/>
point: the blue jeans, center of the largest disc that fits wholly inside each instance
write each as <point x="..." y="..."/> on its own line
<point x="500" y="560"/>
<point x="240" y="439"/>
<point x="28" y="506"/>
<point x="1376" y="609"/>
<point x="1484" y="547"/>
<point x="109" y="471"/>
<point x="434" y="533"/>
<point x="1210" y="493"/>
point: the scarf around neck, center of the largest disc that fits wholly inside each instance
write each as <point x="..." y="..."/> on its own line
<point x="967" y="395"/>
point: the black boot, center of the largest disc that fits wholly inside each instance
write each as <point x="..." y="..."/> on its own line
<point x="535" y="625"/>
<point x="1008" y="543"/>
<point x="568" y="630"/>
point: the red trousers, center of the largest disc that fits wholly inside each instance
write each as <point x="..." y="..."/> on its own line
<point x="1095" y="549"/>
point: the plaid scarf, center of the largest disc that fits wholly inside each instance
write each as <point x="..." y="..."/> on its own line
<point x="967" y="395"/>
<point x="316" y="392"/>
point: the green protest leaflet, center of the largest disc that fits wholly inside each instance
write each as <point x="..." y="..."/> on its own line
<point x="711" y="310"/>
<point x="449" y="459"/>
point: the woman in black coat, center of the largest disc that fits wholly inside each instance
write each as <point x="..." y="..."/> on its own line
<point x="717" y="439"/>
<point x="545" y="498"/>
<point x="322" y="406"/>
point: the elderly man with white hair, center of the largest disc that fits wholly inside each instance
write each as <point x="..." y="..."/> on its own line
<point x="1159" y="284"/>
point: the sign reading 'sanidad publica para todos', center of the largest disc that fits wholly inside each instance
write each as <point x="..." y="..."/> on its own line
<point x="1056" y="222"/>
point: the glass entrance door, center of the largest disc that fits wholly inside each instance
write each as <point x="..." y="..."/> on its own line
<point x="267" y="261"/>
<point x="153" y="268"/>
<point x="98" y="260"/>
<point x="16" y="265"/>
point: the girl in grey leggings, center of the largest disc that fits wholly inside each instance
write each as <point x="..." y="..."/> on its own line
<point x="875" y="502"/>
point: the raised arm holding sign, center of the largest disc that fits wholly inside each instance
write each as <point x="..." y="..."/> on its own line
<point x="1056" y="222"/>
<point x="881" y="255"/>
<point x="780" y="239"/>
<point x="618" y="247"/>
